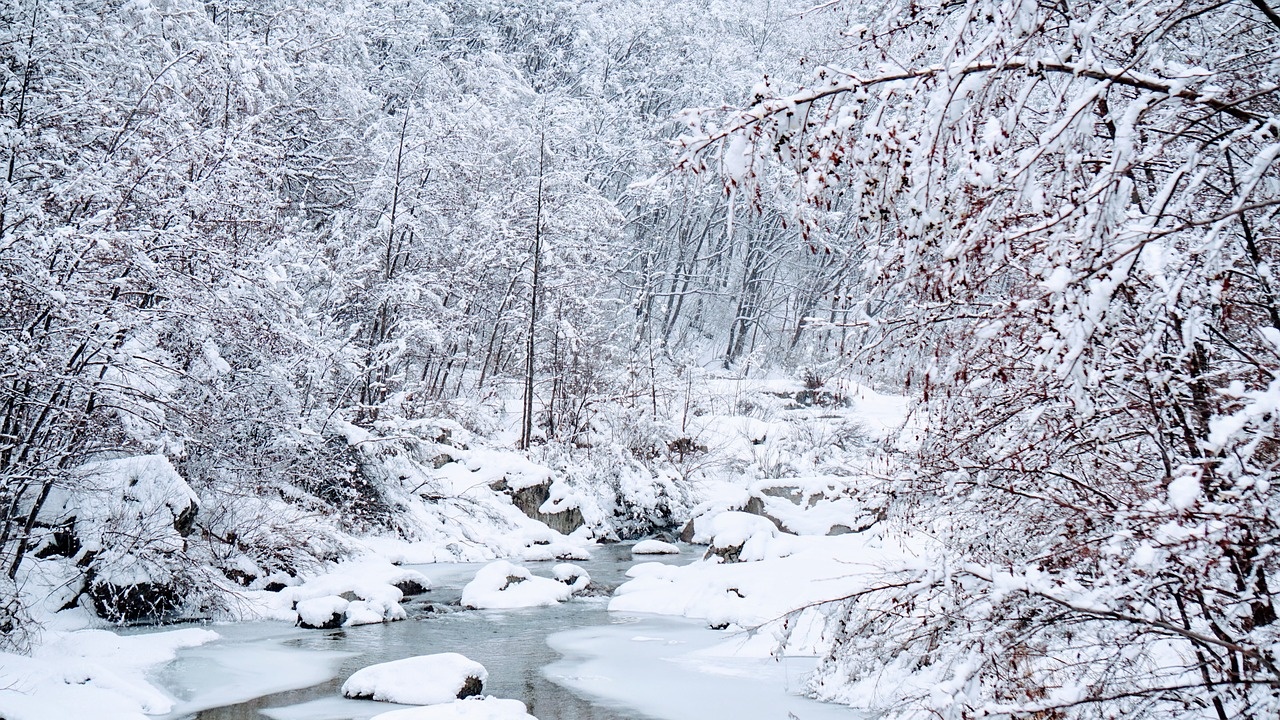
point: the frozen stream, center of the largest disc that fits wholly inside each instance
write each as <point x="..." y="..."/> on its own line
<point x="574" y="661"/>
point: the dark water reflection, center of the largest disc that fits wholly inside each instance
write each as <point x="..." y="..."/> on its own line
<point x="511" y="644"/>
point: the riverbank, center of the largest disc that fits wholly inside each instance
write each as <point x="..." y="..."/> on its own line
<point x="573" y="660"/>
<point x="788" y="491"/>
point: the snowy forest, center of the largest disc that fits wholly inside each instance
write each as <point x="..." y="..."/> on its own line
<point x="931" y="345"/>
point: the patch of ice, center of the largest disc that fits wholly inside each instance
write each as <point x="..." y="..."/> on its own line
<point x="476" y="708"/>
<point x="329" y="708"/>
<point x="251" y="660"/>
<point x="673" y="669"/>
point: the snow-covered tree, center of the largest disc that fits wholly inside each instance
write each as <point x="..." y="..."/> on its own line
<point x="1069" y="212"/>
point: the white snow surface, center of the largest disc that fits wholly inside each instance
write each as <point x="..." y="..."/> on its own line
<point x="91" y="673"/>
<point x="422" y="680"/>
<point x="362" y="612"/>
<point x="1184" y="491"/>
<point x="472" y="708"/>
<point x="792" y="572"/>
<point x="729" y="529"/>
<point x="502" y="585"/>
<point x="140" y="496"/>
<point x="460" y="517"/>
<point x="150" y="481"/>
<point x="452" y="513"/>
<point x="654" y="547"/>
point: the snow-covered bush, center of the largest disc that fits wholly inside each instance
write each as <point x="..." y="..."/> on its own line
<point x="618" y="495"/>
<point x="16" y="627"/>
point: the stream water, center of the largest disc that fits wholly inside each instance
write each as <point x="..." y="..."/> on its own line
<point x="573" y="661"/>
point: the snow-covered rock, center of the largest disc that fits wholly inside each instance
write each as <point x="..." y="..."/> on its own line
<point x="554" y="551"/>
<point x="810" y="505"/>
<point x="142" y="487"/>
<point x="455" y="502"/>
<point x="371" y="585"/>
<point x="422" y="680"/>
<point x="654" y="547"/>
<point x="817" y="505"/>
<point x="142" y="498"/>
<point x="361" y="612"/>
<point x="546" y="502"/>
<point x="475" y="708"/>
<point x="741" y="537"/>
<point x="504" y="585"/>
<point x="698" y="529"/>
<point x="322" y="613"/>
<point x="575" y="577"/>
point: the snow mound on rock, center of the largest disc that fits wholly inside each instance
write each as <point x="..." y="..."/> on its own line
<point x="554" y="551"/>
<point x="371" y="585"/>
<point x="421" y="680"/>
<point x="476" y="708"/>
<point x="143" y="487"/>
<point x="654" y="547"/>
<point x="736" y="528"/>
<point x="502" y="585"/>
<point x="743" y="537"/>
<point x="322" y="612"/>
<point x="127" y="520"/>
<point x="362" y="612"/>
<point x="575" y="577"/>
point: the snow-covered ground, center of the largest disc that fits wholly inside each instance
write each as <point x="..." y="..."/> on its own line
<point x="84" y="672"/>
<point x="677" y="669"/>
<point x="793" y="572"/>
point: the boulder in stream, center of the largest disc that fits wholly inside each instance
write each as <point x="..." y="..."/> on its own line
<point x="654" y="547"/>
<point x="322" y="613"/>
<point x="421" y="680"/>
<point x="502" y="585"/>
